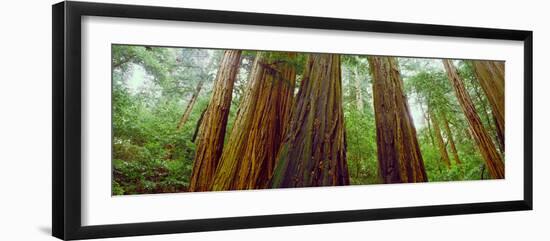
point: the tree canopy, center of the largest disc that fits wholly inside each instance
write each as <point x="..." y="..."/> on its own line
<point x="288" y="119"/>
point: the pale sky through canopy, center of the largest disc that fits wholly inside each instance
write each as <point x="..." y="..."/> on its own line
<point x="138" y="79"/>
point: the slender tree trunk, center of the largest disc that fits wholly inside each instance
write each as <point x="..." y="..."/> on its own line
<point x="190" y="105"/>
<point x="491" y="78"/>
<point x="427" y="119"/>
<point x="212" y="128"/>
<point x="440" y="141"/>
<point x="399" y="156"/>
<point x="485" y="112"/>
<point x="358" y="91"/>
<point x="184" y="117"/>
<point x="360" y="108"/>
<point x="314" y="151"/>
<point x="248" y="160"/>
<point x="491" y="122"/>
<point x="450" y="137"/>
<point x="198" y="125"/>
<point x="484" y="142"/>
<point x="500" y="135"/>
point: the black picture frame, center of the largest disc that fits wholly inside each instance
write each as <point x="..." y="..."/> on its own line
<point x="66" y="128"/>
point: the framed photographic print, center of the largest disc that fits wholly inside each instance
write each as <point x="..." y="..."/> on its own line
<point x="170" y="120"/>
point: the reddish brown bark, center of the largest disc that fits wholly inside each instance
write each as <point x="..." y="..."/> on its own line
<point x="248" y="160"/>
<point x="213" y="125"/>
<point x="491" y="78"/>
<point x="450" y="138"/>
<point x="399" y="154"/>
<point x="190" y="105"/>
<point x="314" y="151"/>
<point x="485" y="114"/>
<point x="488" y="150"/>
<point x="440" y="142"/>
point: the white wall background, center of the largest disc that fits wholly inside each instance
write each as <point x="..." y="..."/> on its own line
<point x="25" y="120"/>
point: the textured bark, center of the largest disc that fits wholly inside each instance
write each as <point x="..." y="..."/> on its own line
<point x="399" y="154"/>
<point x="491" y="78"/>
<point x="198" y="125"/>
<point x="450" y="138"/>
<point x="500" y="135"/>
<point x="440" y="142"/>
<point x="212" y="128"/>
<point x="248" y="159"/>
<point x="314" y="151"/>
<point x="485" y="114"/>
<point x="190" y="105"/>
<point x="488" y="150"/>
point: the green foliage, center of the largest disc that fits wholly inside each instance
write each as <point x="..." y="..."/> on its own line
<point x="360" y="124"/>
<point x="150" y="176"/>
<point x="429" y="84"/>
<point x="156" y="61"/>
<point x="152" y="87"/>
<point x="149" y="154"/>
<point x="361" y="147"/>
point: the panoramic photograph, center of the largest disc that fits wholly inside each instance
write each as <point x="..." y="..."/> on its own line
<point x="199" y="120"/>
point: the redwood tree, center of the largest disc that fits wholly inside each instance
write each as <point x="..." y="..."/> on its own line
<point x="314" y="151"/>
<point x="450" y="138"/>
<point x="248" y="159"/>
<point x="488" y="150"/>
<point x="440" y="142"/>
<point x="490" y="75"/>
<point x="190" y="104"/>
<point x="399" y="154"/>
<point x="211" y="131"/>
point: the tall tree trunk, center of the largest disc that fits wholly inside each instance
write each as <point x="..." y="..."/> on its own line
<point x="484" y="111"/>
<point x="450" y="137"/>
<point x="190" y="105"/>
<point x="198" y="125"/>
<point x="212" y="128"/>
<point x="428" y="121"/>
<point x="358" y="90"/>
<point x="248" y="159"/>
<point x="314" y="151"/>
<point x="491" y="123"/>
<point x="184" y="117"/>
<point x="399" y="156"/>
<point x="440" y="141"/>
<point x="500" y="135"/>
<point x="484" y="142"/>
<point x="491" y="78"/>
<point x="426" y="116"/>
